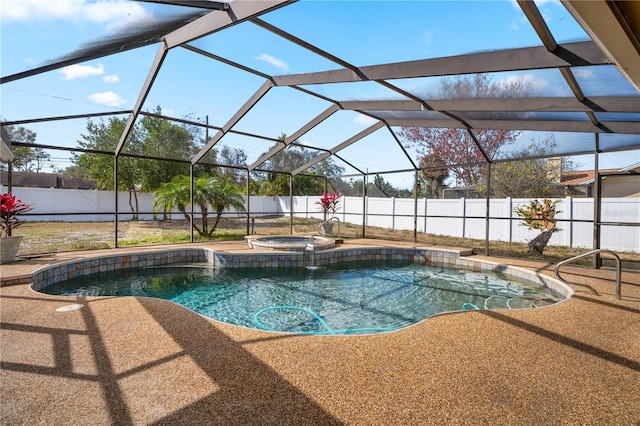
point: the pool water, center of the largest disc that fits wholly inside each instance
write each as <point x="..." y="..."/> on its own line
<point x="352" y="298"/>
<point x="288" y="240"/>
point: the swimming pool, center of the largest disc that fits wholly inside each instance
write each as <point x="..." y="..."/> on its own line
<point x="344" y="298"/>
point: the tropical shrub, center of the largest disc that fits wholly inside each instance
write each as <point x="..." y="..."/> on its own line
<point x="541" y="216"/>
<point x="10" y="208"/>
<point x="329" y="203"/>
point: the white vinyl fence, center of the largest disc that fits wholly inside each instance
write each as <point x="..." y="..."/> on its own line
<point x="452" y="217"/>
<point x="466" y="218"/>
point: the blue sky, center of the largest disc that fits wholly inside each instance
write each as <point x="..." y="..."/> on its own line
<point x="34" y="32"/>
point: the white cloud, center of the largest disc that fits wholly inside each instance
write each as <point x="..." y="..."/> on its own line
<point x="365" y="119"/>
<point x="111" y="13"/>
<point x="537" y="84"/>
<point x="583" y="73"/>
<point x="516" y="24"/>
<point x="543" y="7"/>
<point x="81" y="71"/>
<point x="281" y="65"/>
<point x="111" y="78"/>
<point x="427" y="37"/>
<point x="109" y="99"/>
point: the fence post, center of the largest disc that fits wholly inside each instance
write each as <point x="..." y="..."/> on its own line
<point x="51" y="195"/>
<point x="393" y="213"/>
<point x="464" y="214"/>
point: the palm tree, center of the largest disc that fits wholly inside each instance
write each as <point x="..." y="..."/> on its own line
<point x="207" y="191"/>
<point x="225" y="194"/>
<point x="173" y="195"/>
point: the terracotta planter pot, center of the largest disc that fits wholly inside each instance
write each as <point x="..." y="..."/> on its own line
<point x="9" y="248"/>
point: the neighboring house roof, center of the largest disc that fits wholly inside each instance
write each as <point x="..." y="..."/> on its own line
<point x="45" y="180"/>
<point x="581" y="177"/>
<point x="586" y="177"/>
<point x="635" y="167"/>
<point x="570" y="178"/>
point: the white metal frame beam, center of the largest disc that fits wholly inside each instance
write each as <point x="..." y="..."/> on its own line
<point x="339" y="147"/>
<point x="531" y="58"/>
<point x="290" y="139"/>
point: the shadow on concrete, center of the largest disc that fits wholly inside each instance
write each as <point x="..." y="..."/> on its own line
<point x="576" y="344"/>
<point x="250" y="391"/>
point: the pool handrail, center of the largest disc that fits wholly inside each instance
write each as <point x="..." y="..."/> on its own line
<point x="590" y="253"/>
<point x="321" y="228"/>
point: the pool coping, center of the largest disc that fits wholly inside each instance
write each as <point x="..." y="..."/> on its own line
<point x="434" y="256"/>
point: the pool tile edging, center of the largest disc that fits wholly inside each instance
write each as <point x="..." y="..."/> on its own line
<point x="58" y="272"/>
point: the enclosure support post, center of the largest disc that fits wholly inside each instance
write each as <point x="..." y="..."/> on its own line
<point x="191" y="202"/>
<point x="290" y="204"/>
<point x="597" y="200"/>
<point x="487" y="211"/>
<point x="115" y="201"/>
<point x="248" y="207"/>
<point x="415" y="209"/>
<point x="326" y="187"/>
<point x="364" y="204"/>
<point x="9" y="177"/>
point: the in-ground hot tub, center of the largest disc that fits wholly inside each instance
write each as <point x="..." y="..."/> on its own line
<point x="289" y="242"/>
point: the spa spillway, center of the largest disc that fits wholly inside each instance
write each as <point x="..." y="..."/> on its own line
<point x="289" y="242"/>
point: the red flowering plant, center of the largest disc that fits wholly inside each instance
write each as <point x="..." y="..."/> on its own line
<point x="10" y="208"/>
<point x="329" y="203"/>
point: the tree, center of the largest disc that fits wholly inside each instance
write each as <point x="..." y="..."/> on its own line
<point x="103" y="136"/>
<point x="26" y="159"/>
<point x="207" y="191"/>
<point x="455" y="146"/>
<point x="529" y="178"/>
<point x="225" y="194"/>
<point x="383" y="186"/>
<point x="431" y="181"/>
<point x="160" y="138"/>
<point x="235" y="157"/>
<point x="150" y="137"/>
<point x="289" y="159"/>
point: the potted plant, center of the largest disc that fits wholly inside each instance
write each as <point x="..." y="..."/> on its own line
<point x="541" y="216"/>
<point x="10" y="208"/>
<point x="328" y="203"/>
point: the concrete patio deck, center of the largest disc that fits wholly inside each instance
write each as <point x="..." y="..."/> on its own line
<point x="128" y="360"/>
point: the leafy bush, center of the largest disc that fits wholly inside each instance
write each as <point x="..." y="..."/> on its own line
<point x="10" y="208"/>
<point x="541" y="216"/>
